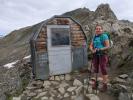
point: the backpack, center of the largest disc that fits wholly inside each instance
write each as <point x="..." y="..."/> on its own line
<point x="110" y="41"/>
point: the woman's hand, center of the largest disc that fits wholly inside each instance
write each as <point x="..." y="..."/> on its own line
<point x="98" y="49"/>
<point x="93" y="50"/>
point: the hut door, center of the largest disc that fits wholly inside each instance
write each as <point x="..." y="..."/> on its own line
<point x="59" y="49"/>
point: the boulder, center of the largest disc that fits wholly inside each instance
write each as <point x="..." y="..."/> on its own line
<point x="63" y="84"/>
<point x="68" y="77"/>
<point x="66" y="95"/>
<point x="16" y="98"/>
<point x="92" y="97"/>
<point x="61" y="90"/>
<point x="70" y="89"/>
<point x="57" y="78"/>
<point x="124" y="96"/>
<point x="123" y="76"/>
<point x="46" y="83"/>
<point x="44" y="98"/>
<point x="41" y="95"/>
<point x="77" y="83"/>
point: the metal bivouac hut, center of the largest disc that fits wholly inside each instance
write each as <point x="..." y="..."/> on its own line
<point x="58" y="47"/>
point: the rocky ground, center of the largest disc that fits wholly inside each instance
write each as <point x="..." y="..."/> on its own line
<point x="17" y="84"/>
<point x="75" y="87"/>
<point x="63" y="87"/>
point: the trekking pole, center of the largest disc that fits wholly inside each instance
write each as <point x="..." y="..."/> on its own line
<point x="90" y="70"/>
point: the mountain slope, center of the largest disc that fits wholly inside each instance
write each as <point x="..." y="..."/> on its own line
<point x="16" y="44"/>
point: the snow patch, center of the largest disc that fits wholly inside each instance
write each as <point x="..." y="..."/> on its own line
<point x="27" y="57"/>
<point x="10" y="65"/>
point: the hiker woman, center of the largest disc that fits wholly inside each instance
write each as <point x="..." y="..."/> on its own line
<point x="99" y="45"/>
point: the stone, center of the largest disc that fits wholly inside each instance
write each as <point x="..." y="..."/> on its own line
<point x="46" y="83"/>
<point x="73" y="93"/>
<point x="70" y="89"/>
<point x="61" y="90"/>
<point x="77" y="83"/>
<point x="132" y="95"/>
<point x="53" y="91"/>
<point x="59" y="96"/>
<point x="47" y="87"/>
<point x="16" y="98"/>
<point x="123" y="76"/>
<point x="131" y="75"/>
<point x="41" y="94"/>
<point x="31" y="88"/>
<point x="92" y="97"/>
<point x="78" y="97"/>
<point x="123" y="87"/>
<point x="51" y="98"/>
<point x="57" y="78"/>
<point x="2" y="96"/>
<point x="38" y="90"/>
<point x="64" y="84"/>
<point x="79" y="89"/>
<point x="55" y="83"/>
<point x="73" y="97"/>
<point x="62" y="77"/>
<point x="66" y="95"/>
<point x="38" y="83"/>
<point x="52" y="94"/>
<point x="68" y="77"/>
<point x="119" y="80"/>
<point x="124" y="96"/>
<point x="52" y="78"/>
<point x="31" y="94"/>
<point x="23" y="97"/>
<point x="26" y="92"/>
<point x="44" y="98"/>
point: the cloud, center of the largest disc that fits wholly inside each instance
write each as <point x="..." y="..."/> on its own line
<point x="20" y="13"/>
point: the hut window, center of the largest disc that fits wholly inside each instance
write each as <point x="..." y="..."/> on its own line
<point x="60" y="36"/>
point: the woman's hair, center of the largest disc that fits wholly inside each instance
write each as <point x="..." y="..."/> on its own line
<point x="99" y="25"/>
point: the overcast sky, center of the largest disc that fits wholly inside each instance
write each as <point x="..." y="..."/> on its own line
<point x="15" y="14"/>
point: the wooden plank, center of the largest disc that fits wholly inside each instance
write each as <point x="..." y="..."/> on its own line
<point x="62" y="21"/>
<point x="75" y="26"/>
<point x="78" y="38"/>
<point x="41" y="46"/>
<point x="40" y="43"/>
<point x="41" y="49"/>
<point x="44" y="37"/>
<point x="76" y="32"/>
<point x="78" y="35"/>
<point x="40" y="40"/>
